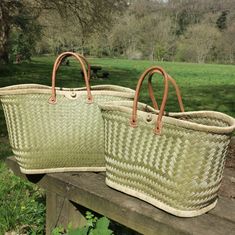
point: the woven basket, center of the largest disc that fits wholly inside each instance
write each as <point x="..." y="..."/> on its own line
<point x="174" y="161"/>
<point x="63" y="133"/>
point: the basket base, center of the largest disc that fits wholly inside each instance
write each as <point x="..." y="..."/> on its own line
<point x="62" y="169"/>
<point x="159" y="204"/>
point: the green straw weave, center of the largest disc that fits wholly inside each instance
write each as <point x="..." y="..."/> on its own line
<point x="180" y="170"/>
<point x="65" y="136"/>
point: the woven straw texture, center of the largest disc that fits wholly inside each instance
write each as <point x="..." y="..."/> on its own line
<point x="180" y="170"/>
<point x="65" y="136"/>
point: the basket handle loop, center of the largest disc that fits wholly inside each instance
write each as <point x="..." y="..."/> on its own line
<point x="151" y="93"/>
<point x="85" y="62"/>
<point x="57" y="63"/>
<point x="153" y="69"/>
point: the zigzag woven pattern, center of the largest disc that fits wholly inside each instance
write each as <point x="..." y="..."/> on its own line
<point x="69" y="134"/>
<point x="181" y="168"/>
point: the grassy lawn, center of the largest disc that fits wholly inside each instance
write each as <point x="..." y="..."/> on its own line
<point x="203" y="87"/>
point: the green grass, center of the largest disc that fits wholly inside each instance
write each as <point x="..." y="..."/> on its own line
<point x="203" y="87"/>
<point x="22" y="206"/>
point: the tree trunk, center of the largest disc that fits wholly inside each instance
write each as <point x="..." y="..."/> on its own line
<point x="231" y="57"/>
<point x="82" y="46"/>
<point x="152" y="53"/>
<point x="4" y="37"/>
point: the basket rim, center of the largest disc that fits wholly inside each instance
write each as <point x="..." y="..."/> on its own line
<point x="172" y="118"/>
<point x="43" y="89"/>
<point x="62" y="169"/>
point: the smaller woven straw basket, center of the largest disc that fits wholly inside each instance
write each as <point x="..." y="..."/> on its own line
<point x="58" y="129"/>
<point x="174" y="161"/>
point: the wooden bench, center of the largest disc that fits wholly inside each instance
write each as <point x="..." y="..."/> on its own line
<point x="95" y="74"/>
<point x="95" y="69"/>
<point x="68" y="193"/>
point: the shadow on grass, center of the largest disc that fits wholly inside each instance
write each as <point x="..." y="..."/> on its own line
<point x="197" y="93"/>
<point x="5" y="149"/>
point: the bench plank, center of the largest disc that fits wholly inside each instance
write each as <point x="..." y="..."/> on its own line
<point x="61" y="211"/>
<point x="90" y="191"/>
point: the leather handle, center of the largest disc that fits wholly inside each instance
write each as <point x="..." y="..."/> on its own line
<point x="151" y="70"/>
<point x="151" y="93"/>
<point x="85" y="62"/>
<point x="57" y="63"/>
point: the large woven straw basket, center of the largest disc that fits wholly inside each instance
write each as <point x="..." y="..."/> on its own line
<point x="58" y="129"/>
<point x="174" y="161"/>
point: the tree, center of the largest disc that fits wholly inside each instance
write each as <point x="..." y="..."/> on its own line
<point x="88" y="15"/>
<point x="157" y="36"/>
<point x="7" y="10"/>
<point x="4" y="35"/>
<point x="151" y="37"/>
<point x="222" y="21"/>
<point x="187" y="12"/>
<point x="17" y="19"/>
<point x="198" y="42"/>
<point x="226" y="45"/>
<point x="125" y="37"/>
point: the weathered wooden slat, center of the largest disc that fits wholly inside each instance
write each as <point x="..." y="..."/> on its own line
<point x="227" y="188"/>
<point x="90" y="191"/>
<point x="61" y="211"/>
<point x="225" y="209"/>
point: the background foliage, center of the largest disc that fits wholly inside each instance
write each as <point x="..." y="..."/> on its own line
<point x="172" y="30"/>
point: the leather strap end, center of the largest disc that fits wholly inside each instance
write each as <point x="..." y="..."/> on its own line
<point x="133" y="123"/>
<point x="52" y="100"/>
<point x="158" y="129"/>
<point x="89" y="100"/>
